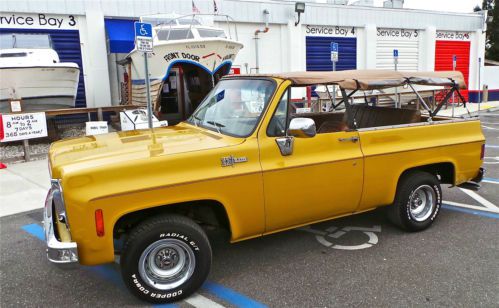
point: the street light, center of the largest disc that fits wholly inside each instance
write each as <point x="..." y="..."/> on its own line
<point x="299" y="8"/>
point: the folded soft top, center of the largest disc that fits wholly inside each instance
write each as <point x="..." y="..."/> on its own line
<point x="371" y="79"/>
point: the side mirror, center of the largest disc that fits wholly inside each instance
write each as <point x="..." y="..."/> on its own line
<point x="302" y="128"/>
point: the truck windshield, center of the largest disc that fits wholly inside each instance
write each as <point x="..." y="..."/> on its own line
<point x="234" y="106"/>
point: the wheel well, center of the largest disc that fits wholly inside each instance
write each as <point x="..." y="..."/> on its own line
<point x="205" y="212"/>
<point x="445" y="172"/>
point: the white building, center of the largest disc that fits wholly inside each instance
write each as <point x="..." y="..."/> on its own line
<point x="97" y="33"/>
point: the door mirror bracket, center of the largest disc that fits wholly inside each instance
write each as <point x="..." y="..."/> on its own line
<point x="285" y="145"/>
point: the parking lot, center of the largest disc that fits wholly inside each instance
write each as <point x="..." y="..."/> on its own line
<point x="355" y="261"/>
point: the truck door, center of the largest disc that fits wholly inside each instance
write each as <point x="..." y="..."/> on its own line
<point x="320" y="179"/>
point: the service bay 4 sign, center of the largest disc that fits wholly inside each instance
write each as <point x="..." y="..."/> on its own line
<point x="23" y="126"/>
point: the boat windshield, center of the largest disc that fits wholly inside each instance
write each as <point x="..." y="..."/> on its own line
<point x="234" y="106"/>
<point x="174" y="34"/>
<point x="203" y="32"/>
<point x="21" y="40"/>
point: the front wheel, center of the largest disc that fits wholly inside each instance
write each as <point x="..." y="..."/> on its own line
<point x="165" y="259"/>
<point x="417" y="202"/>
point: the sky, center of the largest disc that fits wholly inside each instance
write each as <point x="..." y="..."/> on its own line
<point x="463" y="6"/>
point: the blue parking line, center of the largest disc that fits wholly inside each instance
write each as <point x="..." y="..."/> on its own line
<point x="231" y="296"/>
<point x="470" y="211"/>
<point x="109" y="273"/>
<point x="492" y="180"/>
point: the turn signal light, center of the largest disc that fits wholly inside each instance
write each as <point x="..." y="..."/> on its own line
<point x="482" y="152"/>
<point x="99" y="222"/>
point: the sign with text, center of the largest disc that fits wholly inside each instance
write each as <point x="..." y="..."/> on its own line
<point x="330" y="31"/>
<point x="143" y="36"/>
<point x="334" y="51"/>
<point x="24" y="126"/>
<point x="38" y="21"/>
<point x="453" y="36"/>
<point x="398" y="34"/>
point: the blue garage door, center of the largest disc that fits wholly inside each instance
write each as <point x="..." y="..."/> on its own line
<point x="319" y="53"/>
<point x="67" y="45"/>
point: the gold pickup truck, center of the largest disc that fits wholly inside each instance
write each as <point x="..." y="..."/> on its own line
<point x="254" y="158"/>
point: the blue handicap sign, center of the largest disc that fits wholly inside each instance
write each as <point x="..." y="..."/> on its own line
<point x="396" y="53"/>
<point x="454" y="58"/>
<point x="143" y="29"/>
<point x="334" y="47"/>
<point x="220" y="95"/>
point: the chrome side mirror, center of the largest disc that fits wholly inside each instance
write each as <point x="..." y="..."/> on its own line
<point x="302" y="128"/>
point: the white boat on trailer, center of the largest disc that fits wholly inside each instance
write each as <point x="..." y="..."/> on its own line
<point x="35" y="75"/>
<point x="188" y="59"/>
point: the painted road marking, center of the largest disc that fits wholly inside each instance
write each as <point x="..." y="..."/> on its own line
<point x="469" y="211"/>
<point x="488" y="127"/>
<point x="480" y="199"/>
<point x="110" y="273"/>
<point x="333" y="232"/>
<point x="492" y="146"/>
<point x="490" y="180"/>
<point x="198" y="300"/>
<point x="469" y="206"/>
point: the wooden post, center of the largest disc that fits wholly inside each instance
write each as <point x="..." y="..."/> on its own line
<point x="27" y="156"/>
<point x="129" y="100"/>
<point x="99" y="114"/>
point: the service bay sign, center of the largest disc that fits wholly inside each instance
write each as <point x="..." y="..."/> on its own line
<point x="24" y="126"/>
<point x="143" y="36"/>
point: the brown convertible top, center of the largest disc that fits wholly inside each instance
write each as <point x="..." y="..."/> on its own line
<point x="371" y="79"/>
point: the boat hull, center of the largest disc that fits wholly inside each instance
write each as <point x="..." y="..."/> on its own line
<point x="210" y="54"/>
<point x="39" y="87"/>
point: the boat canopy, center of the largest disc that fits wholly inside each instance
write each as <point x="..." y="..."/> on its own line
<point x="372" y="79"/>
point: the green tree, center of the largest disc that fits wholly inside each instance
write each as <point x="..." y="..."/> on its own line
<point x="492" y="35"/>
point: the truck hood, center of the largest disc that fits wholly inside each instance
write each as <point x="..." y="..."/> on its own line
<point x="138" y="144"/>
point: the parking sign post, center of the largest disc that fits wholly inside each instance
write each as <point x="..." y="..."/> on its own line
<point x="334" y="59"/>
<point x="454" y="65"/>
<point x="396" y="62"/>
<point x="143" y="42"/>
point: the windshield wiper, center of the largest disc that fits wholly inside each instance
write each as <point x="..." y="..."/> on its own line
<point x="196" y="118"/>
<point x="217" y="125"/>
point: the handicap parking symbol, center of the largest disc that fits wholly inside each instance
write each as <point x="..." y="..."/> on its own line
<point x="328" y="236"/>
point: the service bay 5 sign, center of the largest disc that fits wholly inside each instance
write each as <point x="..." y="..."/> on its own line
<point x="23" y="126"/>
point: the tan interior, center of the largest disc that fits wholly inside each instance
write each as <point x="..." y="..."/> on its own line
<point x="365" y="116"/>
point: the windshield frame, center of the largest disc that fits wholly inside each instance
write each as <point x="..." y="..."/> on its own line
<point x="193" y="122"/>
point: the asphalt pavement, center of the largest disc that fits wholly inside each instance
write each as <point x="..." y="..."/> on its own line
<point x="360" y="260"/>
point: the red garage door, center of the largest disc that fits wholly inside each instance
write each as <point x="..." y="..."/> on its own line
<point x="443" y="58"/>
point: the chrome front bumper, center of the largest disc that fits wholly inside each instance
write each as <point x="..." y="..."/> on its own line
<point x="64" y="254"/>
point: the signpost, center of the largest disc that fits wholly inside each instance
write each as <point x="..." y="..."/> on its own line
<point x="143" y="42"/>
<point x="396" y="62"/>
<point x="479" y="82"/>
<point x="454" y="65"/>
<point x="334" y="59"/>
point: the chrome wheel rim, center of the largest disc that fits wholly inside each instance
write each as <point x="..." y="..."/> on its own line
<point x="167" y="264"/>
<point x="422" y="202"/>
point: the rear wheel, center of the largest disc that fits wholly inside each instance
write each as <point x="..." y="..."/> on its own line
<point x="165" y="259"/>
<point x="417" y="202"/>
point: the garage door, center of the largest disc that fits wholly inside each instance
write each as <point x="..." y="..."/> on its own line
<point x="67" y="45"/>
<point x="407" y="44"/>
<point x="445" y="50"/>
<point x="319" y="53"/>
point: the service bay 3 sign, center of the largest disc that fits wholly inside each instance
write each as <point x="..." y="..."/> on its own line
<point x="23" y="126"/>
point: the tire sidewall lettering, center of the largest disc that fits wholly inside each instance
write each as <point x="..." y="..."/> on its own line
<point x="155" y="294"/>
<point x="179" y="236"/>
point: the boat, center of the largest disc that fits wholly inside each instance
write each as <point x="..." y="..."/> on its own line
<point x="35" y="75"/>
<point x="188" y="59"/>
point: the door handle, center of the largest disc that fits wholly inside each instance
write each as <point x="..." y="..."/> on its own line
<point x="351" y="139"/>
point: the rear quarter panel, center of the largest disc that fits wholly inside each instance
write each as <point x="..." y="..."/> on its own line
<point x="390" y="151"/>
